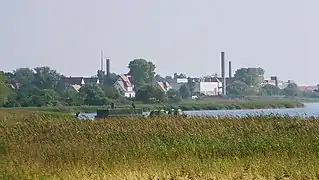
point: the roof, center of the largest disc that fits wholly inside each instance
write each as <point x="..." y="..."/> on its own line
<point x="308" y="88"/>
<point x="165" y="86"/>
<point x="71" y="80"/>
<point x="79" y="80"/>
<point x="125" y="82"/>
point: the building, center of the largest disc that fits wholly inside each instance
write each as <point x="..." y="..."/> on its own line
<point x="164" y="86"/>
<point x="177" y="83"/>
<point x="124" y="86"/>
<point x="77" y="82"/>
<point x="308" y="88"/>
<point x="208" y="86"/>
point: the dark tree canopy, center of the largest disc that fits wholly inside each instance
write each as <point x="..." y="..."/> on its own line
<point x="237" y="88"/>
<point x="142" y="72"/>
<point x="250" y="76"/>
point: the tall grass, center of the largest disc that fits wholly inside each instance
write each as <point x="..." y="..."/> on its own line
<point x="37" y="145"/>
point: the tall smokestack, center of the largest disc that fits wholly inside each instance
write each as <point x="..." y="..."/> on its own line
<point x="222" y="58"/>
<point x="102" y="60"/>
<point x="229" y="70"/>
<point x="107" y="66"/>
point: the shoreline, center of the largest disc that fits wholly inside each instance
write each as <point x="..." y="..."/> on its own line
<point x="191" y="105"/>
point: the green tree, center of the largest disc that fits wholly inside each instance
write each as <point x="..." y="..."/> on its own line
<point x="45" y="97"/>
<point x="4" y="90"/>
<point x="71" y="97"/>
<point x="270" y="90"/>
<point x="191" y="86"/>
<point x="237" y="88"/>
<point x="110" y="92"/>
<point x="173" y="95"/>
<point x="142" y="72"/>
<point x="292" y="90"/>
<point x="24" y="76"/>
<point x="181" y="75"/>
<point x="184" y="91"/>
<point x="250" y="76"/>
<point x="46" y="78"/>
<point x="150" y="94"/>
<point x="93" y="94"/>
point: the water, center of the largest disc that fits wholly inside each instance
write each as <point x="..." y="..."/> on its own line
<point x="310" y="109"/>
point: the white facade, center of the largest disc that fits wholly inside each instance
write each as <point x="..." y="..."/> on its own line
<point x="208" y="88"/>
<point x="181" y="80"/>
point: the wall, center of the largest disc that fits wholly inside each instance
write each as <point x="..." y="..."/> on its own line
<point x="208" y="88"/>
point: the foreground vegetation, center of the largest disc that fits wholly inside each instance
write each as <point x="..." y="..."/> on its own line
<point x="47" y="145"/>
<point x="184" y="105"/>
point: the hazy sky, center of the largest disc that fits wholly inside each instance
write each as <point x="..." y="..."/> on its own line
<point x="177" y="35"/>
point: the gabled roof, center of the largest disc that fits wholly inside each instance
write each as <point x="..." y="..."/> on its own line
<point x="72" y="80"/>
<point x="165" y="86"/>
<point x="79" y="80"/>
<point x="125" y="82"/>
<point x="308" y="88"/>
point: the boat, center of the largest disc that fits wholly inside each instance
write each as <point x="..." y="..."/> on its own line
<point x="118" y="112"/>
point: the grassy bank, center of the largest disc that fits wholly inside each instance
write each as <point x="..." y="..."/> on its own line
<point x="187" y="105"/>
<point x="46" y="146"/>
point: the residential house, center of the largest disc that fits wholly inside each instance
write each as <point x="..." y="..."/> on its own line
<point x="308" y="88"/>
<point x="124" y="86"/>
<point x="164" y="86"/>
<point x="77" y="82"/>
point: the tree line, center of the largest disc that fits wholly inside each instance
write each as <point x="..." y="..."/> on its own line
<point x="41" y="87"/>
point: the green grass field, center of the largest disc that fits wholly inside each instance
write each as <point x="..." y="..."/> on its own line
<point x="42" y="145"/>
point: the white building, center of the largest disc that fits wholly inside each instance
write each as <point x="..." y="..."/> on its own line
<point x="208" y="87"/>
<point x="124" y="86"/>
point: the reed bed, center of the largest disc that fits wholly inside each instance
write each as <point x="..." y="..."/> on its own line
<point x="41" y="145"/>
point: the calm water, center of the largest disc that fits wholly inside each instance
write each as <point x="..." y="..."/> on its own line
<point x="310" y="109"/>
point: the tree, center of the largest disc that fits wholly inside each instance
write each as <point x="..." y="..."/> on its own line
<point x="46" y="78"/>
<point x="4" y="90"/>
<point x="191" y="85"/>
<point x="142" y="72"/>
<point x="71" y="97"/>
<point x="250" y="76"/>
<point x="292" y="90"/>
<point x="181" y="75"/>
<point x="173" y="95"/>
<point x="184" y="91"/>
<point x="93" y="94"/>
<point x="270" y="90"/>
<point x="237" y="88"/>
<point x="110" y="92"/>
<point x="24" y="76"/>
<point x="45" y="97"/>
<point x="150" y="94"/>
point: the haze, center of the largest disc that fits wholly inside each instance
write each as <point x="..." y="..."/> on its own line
<point x="186" y="36"/>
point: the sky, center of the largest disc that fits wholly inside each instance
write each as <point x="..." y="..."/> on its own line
<point x="186" y="36"/>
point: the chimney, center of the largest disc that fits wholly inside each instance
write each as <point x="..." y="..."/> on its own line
<point x="222" y="58"/>
<point x="102" y="60"/>
<point x="229" y="70"/>
<point x="107" y="67"/>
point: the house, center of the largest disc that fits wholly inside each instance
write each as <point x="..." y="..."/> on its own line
<point x="308" y="88"/>
<point x="77" y="82"/>
<point x="164" y="86"/>
<point x="124" y="86"/>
